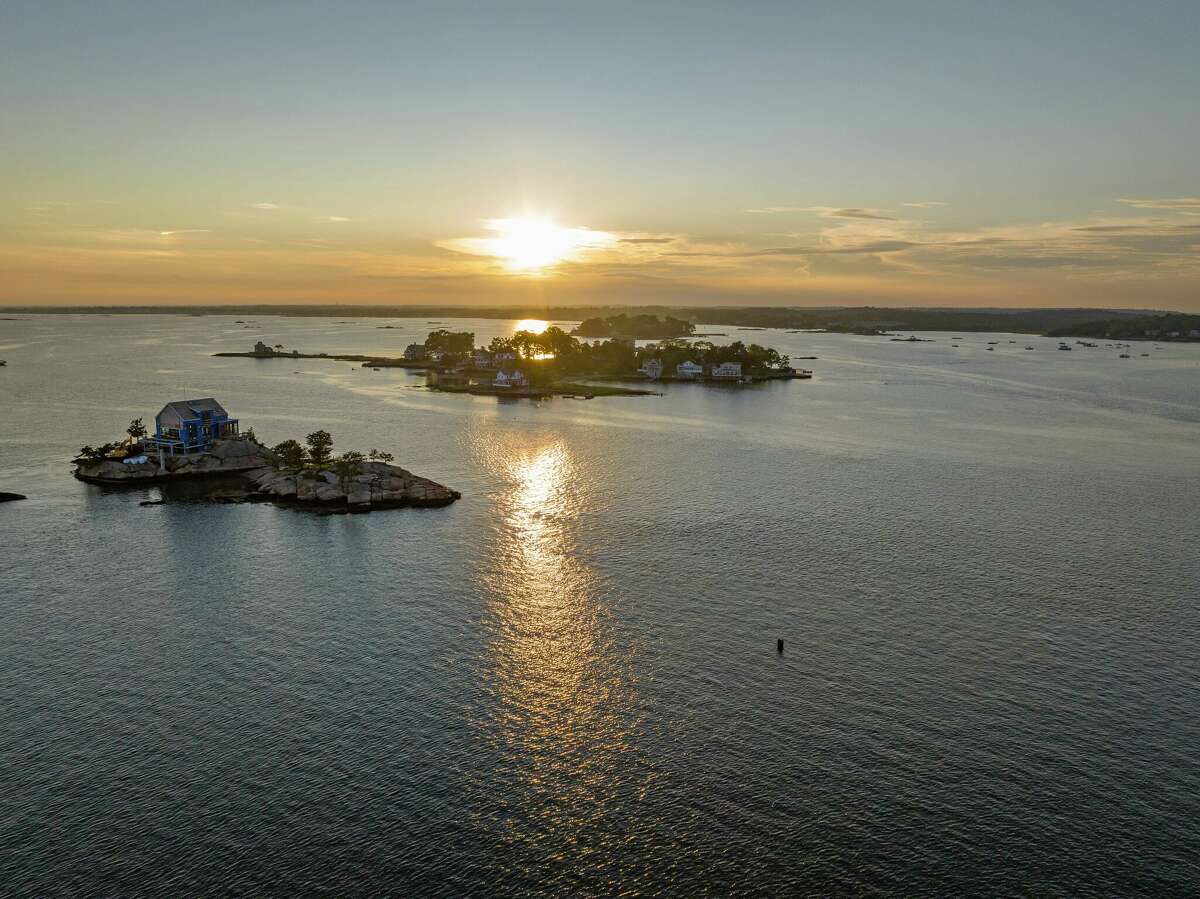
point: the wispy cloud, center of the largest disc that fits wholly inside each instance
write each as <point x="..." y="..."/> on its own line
<point x="829" y="212"/>
<point x="49" y="207"/>
<point x="1179" y="204"/>
<point x="926" y="204"/>
<point x="335" y="218"/>
<point x="185" y="231"/>
<point x="774" y="210"/>
<point x="265" y="206"/>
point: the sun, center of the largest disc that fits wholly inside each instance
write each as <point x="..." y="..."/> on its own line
<point x="531" y="244"/>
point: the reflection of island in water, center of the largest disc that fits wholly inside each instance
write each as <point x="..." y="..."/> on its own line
<point x="563" y="702"/>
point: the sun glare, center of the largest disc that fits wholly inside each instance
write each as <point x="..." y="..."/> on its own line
<point x="532" y="325"/>
<point x="531" y="244"/>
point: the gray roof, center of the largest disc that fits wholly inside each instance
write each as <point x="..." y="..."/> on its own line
<point x="182" y="410"/>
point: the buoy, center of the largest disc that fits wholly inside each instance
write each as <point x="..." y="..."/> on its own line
<point x="779" y="646"/>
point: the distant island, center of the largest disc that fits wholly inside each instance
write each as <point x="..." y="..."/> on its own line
<point x="635" y="327"/>
<point x="197" y="448"/>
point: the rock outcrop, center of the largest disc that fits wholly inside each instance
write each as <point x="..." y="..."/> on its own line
<point x="225" y="457"/>
<point x="246" y="471"/>
<point x="11" y="497"/>
<point x="375" y="486"/>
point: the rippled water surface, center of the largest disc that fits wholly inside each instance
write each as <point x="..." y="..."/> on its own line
<point x="985" y="566"/>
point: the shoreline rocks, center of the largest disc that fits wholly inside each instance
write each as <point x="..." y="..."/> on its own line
<point x="11" y="497"/>
<point x="376" y="485"/>
<point x="244" y="471"/>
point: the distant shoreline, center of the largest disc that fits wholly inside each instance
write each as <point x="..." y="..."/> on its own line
<point x="1124" y="324"/>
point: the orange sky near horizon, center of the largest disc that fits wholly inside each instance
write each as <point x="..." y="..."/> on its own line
<point x="972" y="155"/>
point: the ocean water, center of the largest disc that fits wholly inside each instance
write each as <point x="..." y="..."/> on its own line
<point x="985" y="566"/>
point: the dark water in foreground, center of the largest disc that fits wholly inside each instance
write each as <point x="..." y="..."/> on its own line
<point x="985" y="566"/>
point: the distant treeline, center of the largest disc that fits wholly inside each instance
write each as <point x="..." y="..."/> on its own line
<point x="1064" y="322"/>
<point x="1171" y="326"/>
<point x="642" y="327"/>
<point x="868" y="318"/>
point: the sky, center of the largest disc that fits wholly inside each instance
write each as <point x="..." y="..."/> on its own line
<point x="918" y="153"/>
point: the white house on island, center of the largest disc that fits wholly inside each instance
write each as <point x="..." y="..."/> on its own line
<point x="510" y="378"/>
<point x="652" y="369"/>
<point x="689" y="369"/>
<point x="727" y="370"/>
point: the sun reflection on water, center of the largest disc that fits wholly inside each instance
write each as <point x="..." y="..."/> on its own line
<point x="564" y="702"/>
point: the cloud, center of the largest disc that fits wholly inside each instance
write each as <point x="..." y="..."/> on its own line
<point x="828" y="212"/>
<point x="639" y="240"/>
<point x="185" y="231"/>
<point x="531" y="244"/>
<point x="265" y="206"/>
<point x="48" y="207"/>
<point x="1179" y="204"/>
<point x="876" y="246"/>
<point x="926" y="204"/>
<point x="772" y="210"/>
<point x="335" y="218"/>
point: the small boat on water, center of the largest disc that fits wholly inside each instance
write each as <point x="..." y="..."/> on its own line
<point x="1063" y="346"/>
<point x="1029" y="348"/>
<point x="991" y="349"/>
<point x="1124" y="356"/>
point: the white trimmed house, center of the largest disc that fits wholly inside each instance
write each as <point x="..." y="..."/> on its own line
<point x="652" y="369"/>
<point x="510" y="378"/>
<point x="732" y="370"/>
<point x="189" y="426"/>
<point x="689" y="369"/>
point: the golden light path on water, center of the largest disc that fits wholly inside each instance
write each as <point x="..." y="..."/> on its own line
<point x="563" y="694"/>
<point x="532" y="325"/>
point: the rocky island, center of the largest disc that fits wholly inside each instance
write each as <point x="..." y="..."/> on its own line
<point x="205" y="458"/>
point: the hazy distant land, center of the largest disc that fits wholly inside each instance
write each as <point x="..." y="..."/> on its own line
<point x="1123" y="323"/>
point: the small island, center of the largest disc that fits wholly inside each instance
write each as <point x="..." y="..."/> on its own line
<point x="198" y="447"/>
<point x="552" y="363"/>
<point x="637" y="327"/>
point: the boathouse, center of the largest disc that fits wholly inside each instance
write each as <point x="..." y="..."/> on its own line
<point x="190" y="426"/>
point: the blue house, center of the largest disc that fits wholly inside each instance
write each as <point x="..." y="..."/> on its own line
<point x="190" y="426"/>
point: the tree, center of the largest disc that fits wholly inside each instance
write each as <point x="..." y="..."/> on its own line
<point x="291" y="452"/>
<point x="502" y="345"/>
<point x="523" y="342"/>
<point x="347" y="465"/>
<point x="136" y="429"/>
<point x="320" y="447"/>
<point x="460" y="342"/>
<point x="249" y="434"/>
<point x="98" y="453"/>
<point x="380" y="456"/>
<point x="557" y="341"/>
